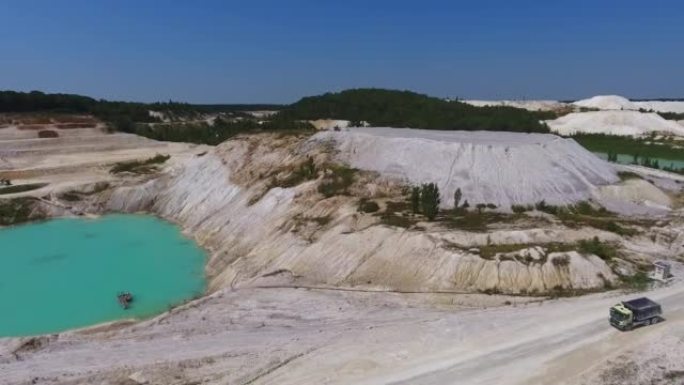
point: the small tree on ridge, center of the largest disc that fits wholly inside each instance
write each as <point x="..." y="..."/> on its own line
<point x="429" y="200"/>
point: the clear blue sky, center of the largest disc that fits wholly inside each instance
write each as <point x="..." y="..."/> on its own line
<point x="278" y="51"/>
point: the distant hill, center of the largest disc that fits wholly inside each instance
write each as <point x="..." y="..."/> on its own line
<point x="190" y="124"/>
<point x="381" y="107"/>
<point x="238" y="107"/>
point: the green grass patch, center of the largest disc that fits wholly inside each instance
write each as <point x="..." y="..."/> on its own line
<point x="603" y="250"/>
<point x="468" y="220"/>
<point x="392" y="219"/>
<point x="519" y="209"/>
<point x="585" y="214"/>
<point x="398" y="214"/>
<point x="476" y="220"/>
<point x="638" y="281"/>
<point x="140" y="166"/>
<point x="490" y="251"/>
<point x="337" y="180"/>
<point x="21" y="188"/>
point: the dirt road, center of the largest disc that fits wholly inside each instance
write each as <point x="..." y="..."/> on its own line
<point x="290" y="336"/>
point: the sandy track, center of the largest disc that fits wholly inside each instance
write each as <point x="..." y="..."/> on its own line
<point x="77" y="157"/>
<point x="290" y="336"/>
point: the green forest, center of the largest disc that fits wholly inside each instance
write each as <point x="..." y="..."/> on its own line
<point x="378" y="107"/>
<point x="381" y="107"/>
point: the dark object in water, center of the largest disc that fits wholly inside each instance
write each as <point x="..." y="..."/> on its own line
<point x="125" y="298"/>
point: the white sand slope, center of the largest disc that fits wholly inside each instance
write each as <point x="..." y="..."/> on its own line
<point x="615" y="102"/>
<point x="660" y="106"/>
<point x="614" y="123"/>
<point x="606" y="102"/>
<point x="503" y="168"/>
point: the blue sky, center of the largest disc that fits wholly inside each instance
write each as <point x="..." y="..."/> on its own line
<point x="278" y="51"/>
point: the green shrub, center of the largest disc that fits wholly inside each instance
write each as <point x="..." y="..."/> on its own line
<point x="367" y="206"/>
<point x="140" y="167"/>
<point x="519" y="209"/>
<point x="17" y="210"/>
<point x="415" y="199"/>
<point x="457" y="197"/>
<point x="337" y="181"/>
<point x="397" y="214"/>
<point x="308" y="169"/>
<point x="546" y="208"/>
<point x="429" y="200"/>
<point x="605" y="251"/>
<point x="638" y="281"/>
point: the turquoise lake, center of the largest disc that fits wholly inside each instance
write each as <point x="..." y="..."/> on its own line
<point x="66" y="273"/>
<point x="629" y="159"/>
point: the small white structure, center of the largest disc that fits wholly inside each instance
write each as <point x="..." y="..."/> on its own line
<point x="661" y="271"/>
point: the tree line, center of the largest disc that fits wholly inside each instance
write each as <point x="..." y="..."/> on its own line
<point x="380" y="107"/>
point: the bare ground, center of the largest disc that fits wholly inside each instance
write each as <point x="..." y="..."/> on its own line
<point x="300" y="336"/>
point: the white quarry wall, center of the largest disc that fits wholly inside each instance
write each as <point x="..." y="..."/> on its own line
<point x="249" y="239"/>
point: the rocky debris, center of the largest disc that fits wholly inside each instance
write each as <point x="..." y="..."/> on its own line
<point x="659" y="362"/>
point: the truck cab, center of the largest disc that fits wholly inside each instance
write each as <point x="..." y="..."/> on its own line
<point x="641" y="311"/>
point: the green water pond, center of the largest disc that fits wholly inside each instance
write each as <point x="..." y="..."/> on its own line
<point x="66" y="273"/>
<point x="629" y="159"/>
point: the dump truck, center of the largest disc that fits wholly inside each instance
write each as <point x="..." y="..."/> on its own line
<point x="627" y="315"/>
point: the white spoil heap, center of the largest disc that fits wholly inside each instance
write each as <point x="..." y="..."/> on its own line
<point x="606" y="102"/>
<point x="502" y="168"/>
<point x="627" y="123"/>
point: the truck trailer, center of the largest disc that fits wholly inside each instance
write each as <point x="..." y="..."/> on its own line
<point x="627" y="315"/>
